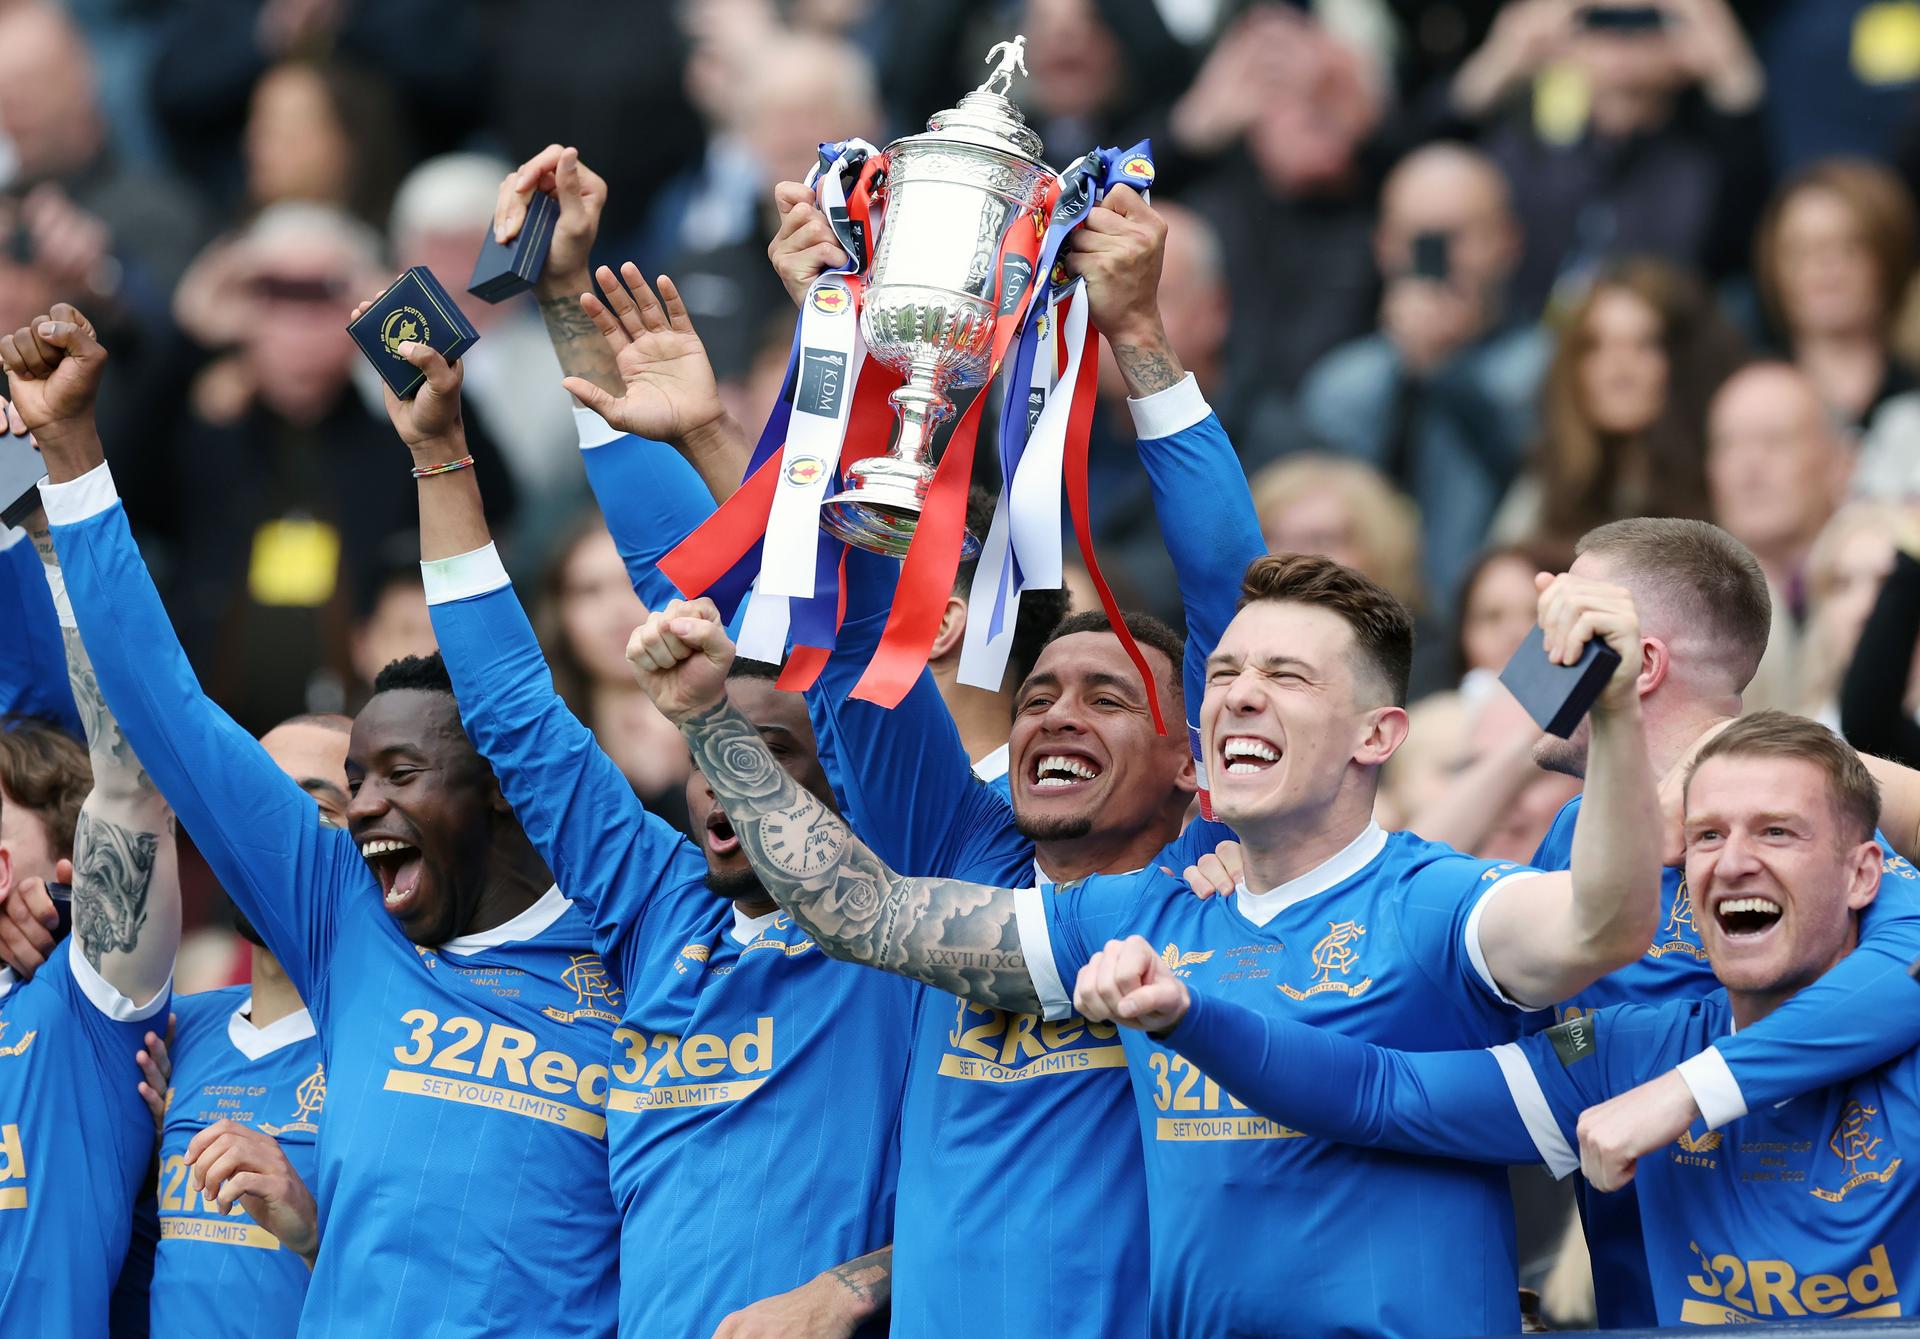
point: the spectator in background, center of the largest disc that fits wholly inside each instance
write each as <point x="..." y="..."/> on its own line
<point x="1499" y="606"/>
<point x="1623" y="416"/>
<point x="1841" y="76"/>
<point x="1441" y="398"/>
<point x="788" y="93"/>
<point x="1777" y="470"/>
<point x="1877" y="695"/>
<point x="1344" y="509"/>
<point x="440" y="219"/>
<point x="1076" y="77"/>
<point x="586" y="612"/>
<point x="391" y="617"/>
<point x="1849" y="562"/>
<point x="1284" y="108"/>
<point x="1832" y="260"/>
<point x="427" y="57"/>
<point x="325" y="133"/>
<point x="278" y="490"/>
<point x="1639" y="137"/>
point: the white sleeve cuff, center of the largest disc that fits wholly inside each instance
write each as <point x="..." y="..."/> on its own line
<point x="77" y="499"/>
<point x="1715" y="1091"/>
<point x="57" y="587"/>
<point x="1036" y="946"/>
<point x="1477" y="956"/>
<point x="108" y="1000"/>
<point x="1166" y="412"/>
<point x="1530" y="1100"/>
<point x="463" y="576"/>
<point x="593" y="430"/>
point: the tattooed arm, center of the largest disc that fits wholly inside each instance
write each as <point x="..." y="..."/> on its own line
<point x="835" y="1301"/>
<point x="126" y="871"/>
<point x="962" y="937"/>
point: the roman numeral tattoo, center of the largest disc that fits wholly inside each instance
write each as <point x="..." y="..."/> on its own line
<point x="961" y="937"/>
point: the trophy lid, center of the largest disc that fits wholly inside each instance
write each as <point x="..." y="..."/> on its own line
<point x="986" y="117"/>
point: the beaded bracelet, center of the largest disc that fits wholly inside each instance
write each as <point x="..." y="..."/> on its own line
<point x="428" y="471"/>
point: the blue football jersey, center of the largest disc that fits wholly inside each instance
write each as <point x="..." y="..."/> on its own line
<point x="1378" y="943"/>
<point x="1804" y="1211"/>
<point x="754" y="1099"/>
<point x="221" y="1274"/>
<point x="462" y="1167"/>
<point x="75" y="1143"/>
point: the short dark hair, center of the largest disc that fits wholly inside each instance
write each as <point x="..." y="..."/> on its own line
<point x="46" y="771"/>
<point x="427" y="674"/>
<point x="1779" y="734"/>
<point x="1146" y="629"/>
<point x="1710" y="580"/>
<point x="744" y="668"/>
<point x="1382" y="626"/>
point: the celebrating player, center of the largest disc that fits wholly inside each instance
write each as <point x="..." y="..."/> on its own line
<point x="1093" y="787"/>
<point x="1382" y="936"/>
<point x="451" y="984"/>
<point x="1796" y="1210"/>
<point x="730" y="1024"/>
<point x="75" y="1140"/>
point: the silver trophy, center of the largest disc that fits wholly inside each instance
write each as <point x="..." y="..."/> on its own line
<point x="951" y="196"/>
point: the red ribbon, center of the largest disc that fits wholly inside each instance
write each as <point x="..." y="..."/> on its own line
<point x="926" y="577"/>
<point x="1079" y="431"/>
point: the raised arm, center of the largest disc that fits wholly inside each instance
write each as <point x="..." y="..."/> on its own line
<point x="126" y="867"/>
<point x="1544" y="939"/>
<point x="962" y="937"/>
<point x="252" y="822"/>
<point x="1190" y="462"/>
<point x="603" y="846"/>
<point x="711" y="441"/>
<point x="33" y="672"/>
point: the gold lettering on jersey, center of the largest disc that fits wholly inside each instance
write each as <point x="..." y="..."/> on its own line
<point x="592" y="989"/>
<point x="1730" y="1290"/>
<point x="1857" y="1146"/>
<point x="698" y="1070"/>
<point x="507" y="1055"/>
<point x="15" y="1048"/>
<point x="1333" y="962"/>
<point x="1178" y="962"/>
<point x="1693" y="1151"/>
<point x="13" y="1169"/>
<point x="1180" y="1087"/>
<point x="219" y="1232"/>
<point x="308" y="1098"/>
<point x="1000" y="1047"/>
<point x="1673" y="935"/>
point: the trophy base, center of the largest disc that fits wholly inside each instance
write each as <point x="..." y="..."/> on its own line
<point x="880" y="509"/>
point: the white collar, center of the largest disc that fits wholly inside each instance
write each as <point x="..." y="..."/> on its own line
<point x="747" y="928"/>
<point x="1337" y="868"/>
<point x="7" y="982"/>
<point x="255" y="1042"/>
<point x="994" y="765"/>
<point x="526" y="925"/>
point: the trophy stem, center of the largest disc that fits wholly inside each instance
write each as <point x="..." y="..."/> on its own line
<point x="880" y="506"/>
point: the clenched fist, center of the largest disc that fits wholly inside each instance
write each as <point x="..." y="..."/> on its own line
<point x="1128" y="983"/>
<point x="681" y="656"/>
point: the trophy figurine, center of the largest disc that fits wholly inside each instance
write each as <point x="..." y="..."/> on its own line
<point x="951" y="193"/>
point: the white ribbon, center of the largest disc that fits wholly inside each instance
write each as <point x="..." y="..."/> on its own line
<point x="1028" y="512"/>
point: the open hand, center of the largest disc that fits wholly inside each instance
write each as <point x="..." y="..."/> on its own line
<point x="1128" y="983"/>
<point x="681" y="656"/>
<point x="156" y="1073"/>
<point x="237" y="1164"/>
<point x="669" y="390"/>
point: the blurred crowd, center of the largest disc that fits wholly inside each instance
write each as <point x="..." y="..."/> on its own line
<point x="1463" y="279"/>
